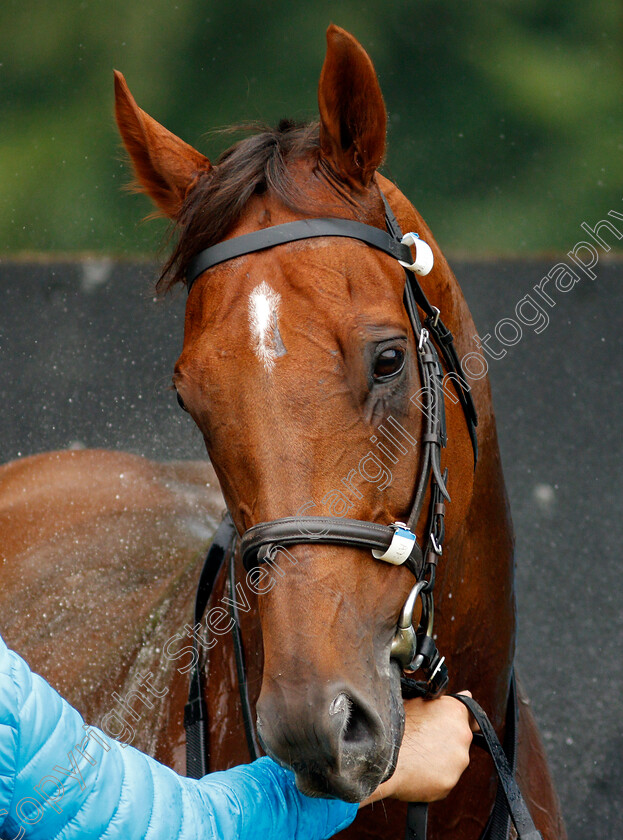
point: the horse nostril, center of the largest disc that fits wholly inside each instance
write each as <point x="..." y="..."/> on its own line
<point x="357" y="727"/>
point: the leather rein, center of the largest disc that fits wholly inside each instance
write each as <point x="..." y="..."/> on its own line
<point x="414" y="649"/>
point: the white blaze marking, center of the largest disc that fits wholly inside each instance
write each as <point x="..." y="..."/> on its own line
<point x="263" y="316"/>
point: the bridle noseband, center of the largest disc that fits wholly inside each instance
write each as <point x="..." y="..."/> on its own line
<point x="395" y="543"/>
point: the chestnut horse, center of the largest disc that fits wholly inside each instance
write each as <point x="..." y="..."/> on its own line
<point x="293" y="360"/>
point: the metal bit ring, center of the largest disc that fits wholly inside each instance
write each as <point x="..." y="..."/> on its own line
<point x="404" y="643"/>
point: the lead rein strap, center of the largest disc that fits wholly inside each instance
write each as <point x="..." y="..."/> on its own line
<point x="509" y="802"/>
<point x="499" y="823"/>
<point x="241" y="667"/>
<point x="515" y="803"/>
<point x="195" y="711"/>
<point x="417" y="821"/>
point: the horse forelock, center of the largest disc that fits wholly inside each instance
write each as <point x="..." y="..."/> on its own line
<point x="258" y="164"/>
<point x="268" y="162"/>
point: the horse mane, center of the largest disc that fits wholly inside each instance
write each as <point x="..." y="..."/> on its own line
<point x="252" y="166"/>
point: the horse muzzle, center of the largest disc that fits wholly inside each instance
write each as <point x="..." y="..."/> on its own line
<point x="333" y="738"/>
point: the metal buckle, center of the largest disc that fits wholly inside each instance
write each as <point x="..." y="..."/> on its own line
<point x="424" y="258"/>
<point x="437" y="547"/>
<point x="437" y="312"/>
<point x="424" y="336"/>
<point x="437" y="669"/>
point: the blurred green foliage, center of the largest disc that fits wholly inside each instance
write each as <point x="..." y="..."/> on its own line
<point x="506" y="118"/>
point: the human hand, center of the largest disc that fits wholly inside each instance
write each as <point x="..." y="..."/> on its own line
<point x="434" y="751"/>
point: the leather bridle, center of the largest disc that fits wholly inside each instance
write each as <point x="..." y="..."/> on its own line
<point x="395" y="543"/>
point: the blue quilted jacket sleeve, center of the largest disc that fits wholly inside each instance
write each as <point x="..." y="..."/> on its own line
<point x="62" y="779"/>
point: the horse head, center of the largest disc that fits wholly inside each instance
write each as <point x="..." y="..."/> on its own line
<point x="299" y="366"/>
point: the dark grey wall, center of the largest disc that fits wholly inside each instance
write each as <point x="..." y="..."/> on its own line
<point x="86" y="356"/>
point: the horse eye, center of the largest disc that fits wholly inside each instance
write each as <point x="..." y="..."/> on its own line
<point x="180" y="401"/>
<point x="388" y="363"/>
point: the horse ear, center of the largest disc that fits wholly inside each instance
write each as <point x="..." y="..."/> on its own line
<point x="353" y="118"/>
<point x="165" y="166"/>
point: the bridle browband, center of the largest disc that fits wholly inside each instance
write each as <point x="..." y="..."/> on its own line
<point x="270" y="237"/>
<point x="415" y="650"/>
